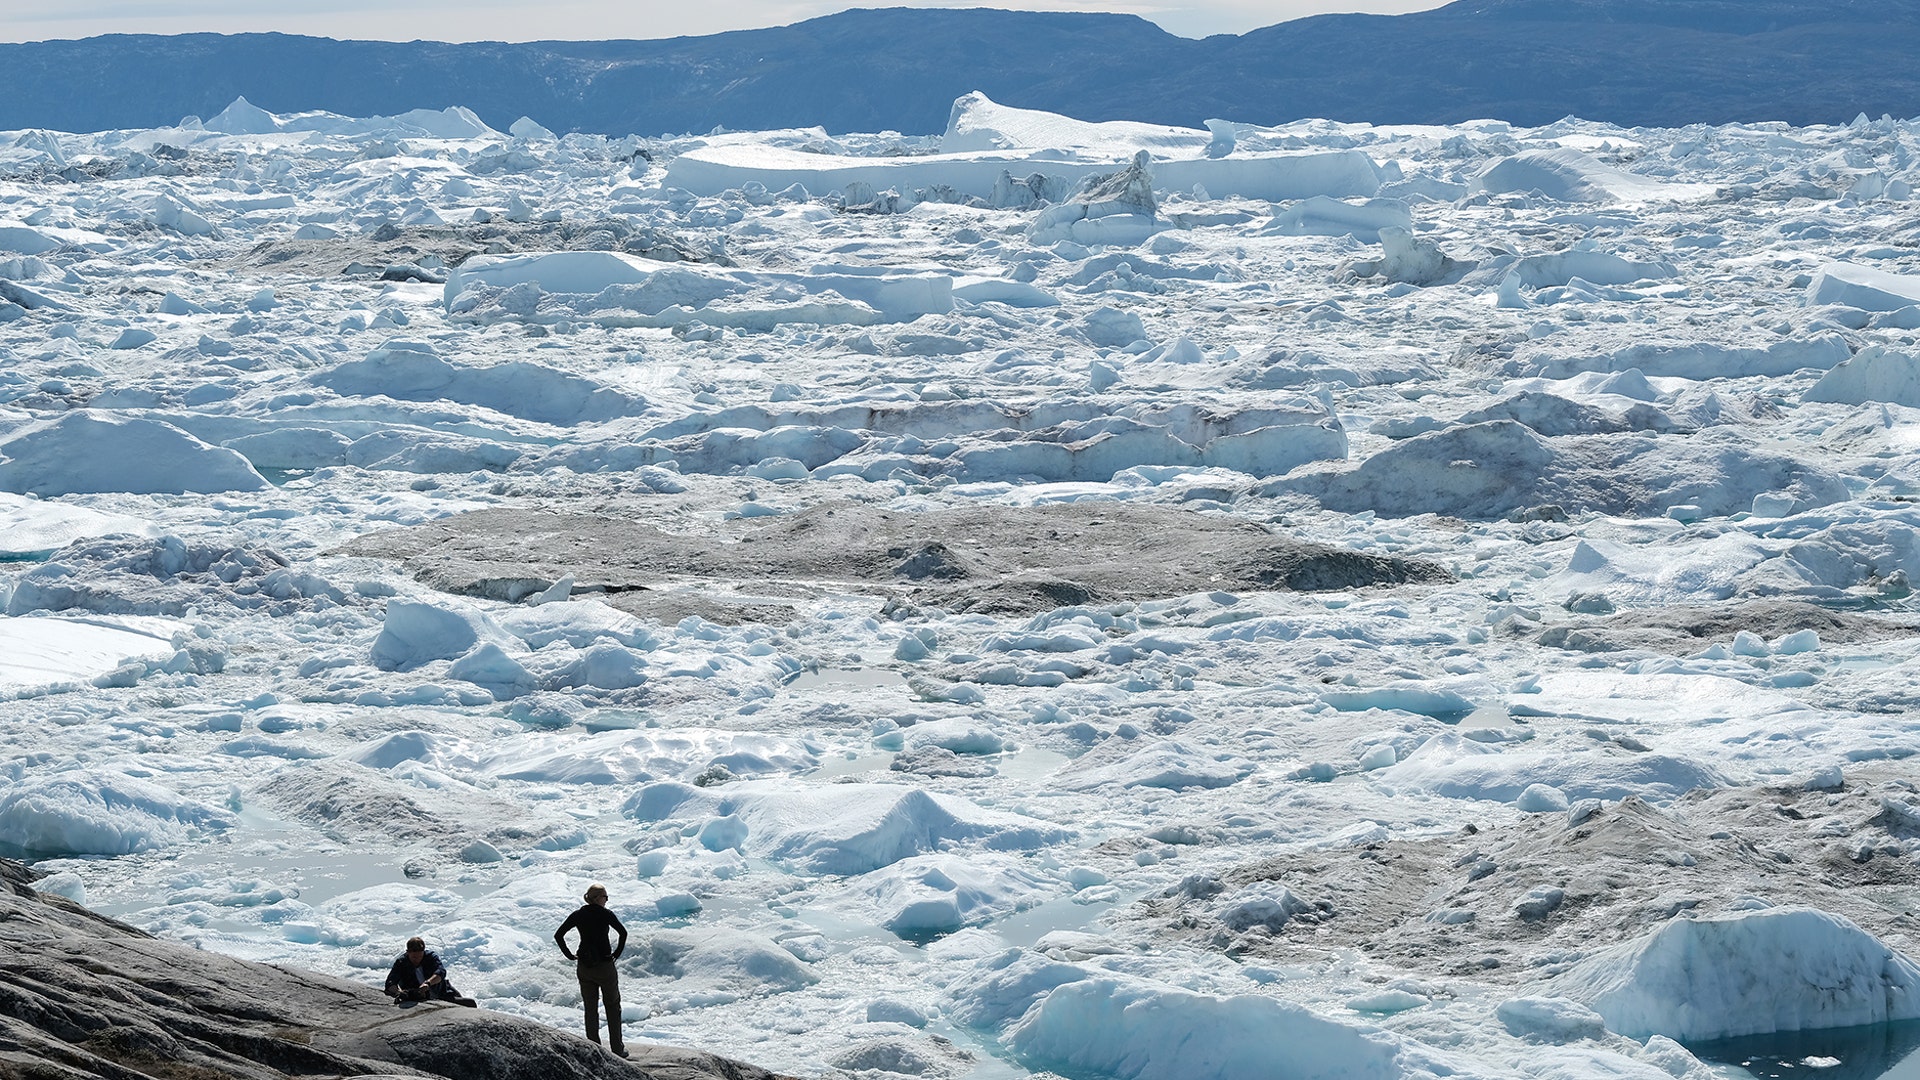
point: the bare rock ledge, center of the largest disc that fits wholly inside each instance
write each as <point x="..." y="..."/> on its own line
<point x="84" y="996"/>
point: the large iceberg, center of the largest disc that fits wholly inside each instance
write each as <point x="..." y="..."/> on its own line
<point x="1747" y="973"/>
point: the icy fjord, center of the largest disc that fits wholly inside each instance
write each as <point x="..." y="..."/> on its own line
<point x="1104" y="600"/>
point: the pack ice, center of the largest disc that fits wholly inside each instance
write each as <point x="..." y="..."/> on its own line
<point x="1044" y="598"/>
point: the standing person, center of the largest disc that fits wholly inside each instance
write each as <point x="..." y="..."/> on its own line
<point x="599" y="978"/>
<point x="419" y="976"/>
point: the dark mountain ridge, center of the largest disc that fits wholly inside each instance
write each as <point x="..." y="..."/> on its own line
<point x="1632" y="62"/>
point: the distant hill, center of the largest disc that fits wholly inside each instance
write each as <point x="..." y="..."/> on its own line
<point x="1633" y="62"/>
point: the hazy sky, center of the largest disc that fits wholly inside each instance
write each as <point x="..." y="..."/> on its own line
<point x="527" y="20"/>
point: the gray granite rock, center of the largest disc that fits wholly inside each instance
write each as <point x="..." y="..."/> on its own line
<point x="83" y="996"/>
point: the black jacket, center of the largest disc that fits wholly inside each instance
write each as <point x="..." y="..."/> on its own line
<point x="593" y="921"/>
<point x="403" y="979"/>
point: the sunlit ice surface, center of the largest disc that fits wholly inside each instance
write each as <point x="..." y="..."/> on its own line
<point x="1100" y="599"/>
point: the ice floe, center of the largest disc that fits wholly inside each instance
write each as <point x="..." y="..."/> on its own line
<point x="1046" y="596"/>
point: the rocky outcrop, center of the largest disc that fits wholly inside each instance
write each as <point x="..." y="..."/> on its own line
<point x="83" y="996"/>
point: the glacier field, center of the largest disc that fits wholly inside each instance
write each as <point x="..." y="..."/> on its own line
<point x="1097" y="600"/>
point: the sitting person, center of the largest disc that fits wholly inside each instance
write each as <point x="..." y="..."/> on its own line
<point x="418" y="976"/>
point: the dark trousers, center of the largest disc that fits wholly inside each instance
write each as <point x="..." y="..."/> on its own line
<point x="597" y="982"/>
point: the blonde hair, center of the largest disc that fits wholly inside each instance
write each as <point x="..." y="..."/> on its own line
<point x="593" y="891"/>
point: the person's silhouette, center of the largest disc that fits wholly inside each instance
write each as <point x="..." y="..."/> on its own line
<point x="418" y="975"/>
<point x="594" y="963"/>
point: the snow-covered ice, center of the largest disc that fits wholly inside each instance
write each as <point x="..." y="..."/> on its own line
<point x="1085" y="599"/>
